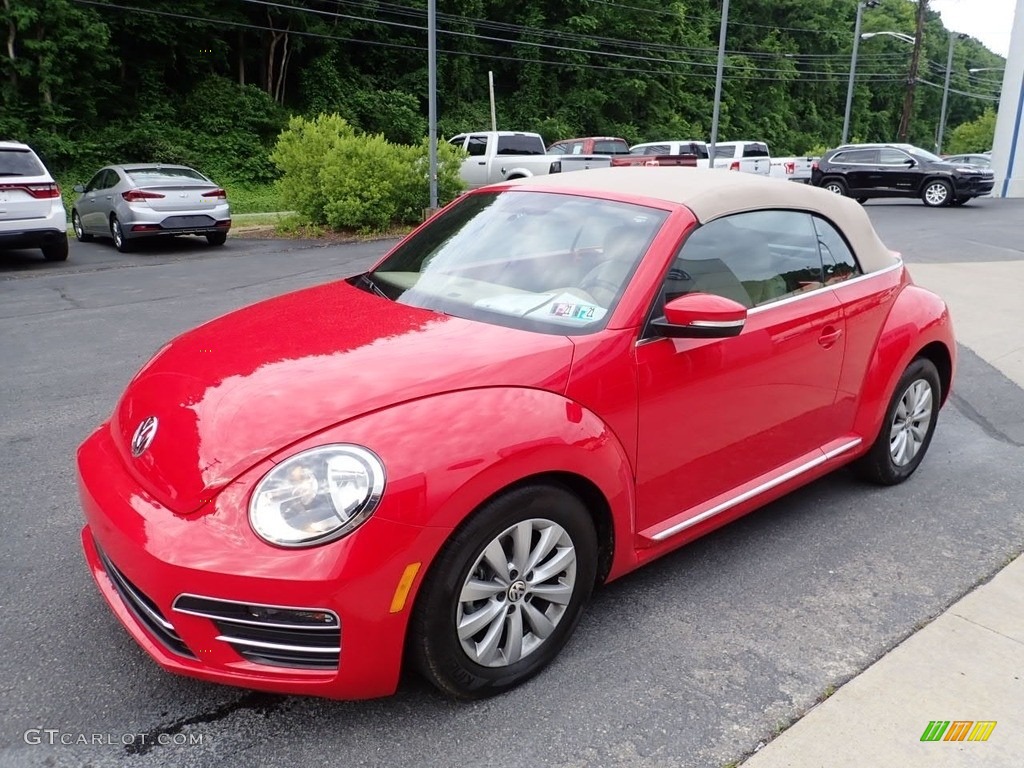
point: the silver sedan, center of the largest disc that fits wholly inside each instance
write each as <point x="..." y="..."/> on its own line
<point x="129" y="202"/>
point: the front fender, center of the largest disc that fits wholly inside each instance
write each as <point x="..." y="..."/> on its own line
<point x="919" y="320"/>
<point x="445" y="455"/>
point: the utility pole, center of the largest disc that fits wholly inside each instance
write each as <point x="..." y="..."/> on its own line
<point x="908" y="100"/>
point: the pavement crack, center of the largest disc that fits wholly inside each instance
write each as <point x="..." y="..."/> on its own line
<point x="64" y="296"/>
<point x="987" y="426"/>
<point x="986" y="628"/>
<point x="255" y="700"/>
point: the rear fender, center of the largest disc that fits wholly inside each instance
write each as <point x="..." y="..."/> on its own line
<point x="919" y="323"/>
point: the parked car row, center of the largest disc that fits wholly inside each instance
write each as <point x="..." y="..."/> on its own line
<point x="867" y="171"/>
<point x="123" y="202"/>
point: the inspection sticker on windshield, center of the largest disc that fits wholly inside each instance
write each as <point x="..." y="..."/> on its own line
<point x="574" y="311"/>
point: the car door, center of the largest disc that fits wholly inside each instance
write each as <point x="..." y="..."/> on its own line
<point x="898" y="172"/>
<point x="715" y="415"/>
<point x="474" y="167"/>
<point x="90" y="208"/>
<point x="860" y="170"/>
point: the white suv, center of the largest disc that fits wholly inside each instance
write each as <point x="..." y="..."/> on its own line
<point x="31" y="209"/>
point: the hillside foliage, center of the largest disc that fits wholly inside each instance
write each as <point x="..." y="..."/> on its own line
<point x="214" y="82"/>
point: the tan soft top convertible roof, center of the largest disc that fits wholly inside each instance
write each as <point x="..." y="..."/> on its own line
<point x="711" y="194"/>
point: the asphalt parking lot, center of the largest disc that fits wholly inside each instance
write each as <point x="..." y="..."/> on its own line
<point x="690" y="662"/>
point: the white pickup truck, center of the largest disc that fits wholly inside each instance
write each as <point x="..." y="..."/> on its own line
<point x="502" y="155"/>
<point x="745" y="156"/>
<point x="793" y="168"/>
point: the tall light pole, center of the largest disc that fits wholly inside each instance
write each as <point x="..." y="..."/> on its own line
<point x="953" y="37"/>
<point x="718" y="83"/>
<point x="432" y="99"/>
<point x="853" y="66"/>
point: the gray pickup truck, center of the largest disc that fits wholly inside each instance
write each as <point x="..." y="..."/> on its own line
<point x="502" y="155"/>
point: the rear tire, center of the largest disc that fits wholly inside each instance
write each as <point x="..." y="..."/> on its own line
<point x="80" y="234"/>
<point x="122" y="243"/>
<point x="505" y="593"/>
<point x="907" y="430"/>
<point x="835" y="186"/>
<point x="56" y="251"/>
<point x="217" y="238"/>
<point x="937" y="193"/>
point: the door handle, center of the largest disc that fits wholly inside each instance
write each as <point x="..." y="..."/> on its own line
<point x="482" y="162"/>
<point x="830" y="336"/>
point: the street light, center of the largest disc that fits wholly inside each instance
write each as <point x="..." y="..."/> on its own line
<point x="985" y="69"/>
<point x="853" y="66"/>
<point x="898" y="35"/>
<point x="953" y="37"/>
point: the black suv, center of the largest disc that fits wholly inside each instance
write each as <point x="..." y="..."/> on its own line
<point x="864" y="171"/>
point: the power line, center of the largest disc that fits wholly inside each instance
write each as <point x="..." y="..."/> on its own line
<point x="954" y="90"/>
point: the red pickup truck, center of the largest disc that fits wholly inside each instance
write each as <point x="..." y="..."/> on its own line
<point x="671" y="153"/>
<point x="591" y="145"/>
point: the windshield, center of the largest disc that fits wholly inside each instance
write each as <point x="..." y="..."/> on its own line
<point x="927" y="155"/>
<point x="548" y="262"/>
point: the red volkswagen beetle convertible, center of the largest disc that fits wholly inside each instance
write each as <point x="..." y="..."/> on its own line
<point x="546" y="386"/>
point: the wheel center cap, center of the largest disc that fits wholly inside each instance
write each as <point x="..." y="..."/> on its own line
<point x="516" y="591"/>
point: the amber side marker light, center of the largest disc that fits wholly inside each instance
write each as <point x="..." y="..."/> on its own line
<point x="404" y="585"/>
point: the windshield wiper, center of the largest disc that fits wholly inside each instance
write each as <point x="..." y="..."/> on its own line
<point x="366" y="280"/>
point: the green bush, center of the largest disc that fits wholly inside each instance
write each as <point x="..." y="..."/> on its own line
<point x="333" y="176"/>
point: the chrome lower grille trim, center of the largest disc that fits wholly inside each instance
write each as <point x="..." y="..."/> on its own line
<point x="272" y="635"/>
<point x="144" y="609"/>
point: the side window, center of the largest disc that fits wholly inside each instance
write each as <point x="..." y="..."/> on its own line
<point x="557" y="149"/>
<point x="576" y="148"/>
<point x="888" y="156"/>
<point x="112" y="179"/>
<point x="657" y="149"/>
<point x="753" y="258"/>
<point x="857" y="157"/>
<point x="477" y="146"/>
<point x="96" y="182"/>
<point x="836" y="256"/>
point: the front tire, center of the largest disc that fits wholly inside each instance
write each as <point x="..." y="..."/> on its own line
<point x="505" y="593"/>
<point x="907" y="430"/>
<point x="80" y="234"/>
<point x="122" y="243"/>
<point x="937" y="193"/>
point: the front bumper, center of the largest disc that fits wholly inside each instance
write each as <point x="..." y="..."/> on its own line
<point x="974" y="186"/>
<point x="144" y="559"/>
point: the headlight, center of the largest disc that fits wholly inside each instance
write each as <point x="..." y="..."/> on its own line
<point x="317" y="496"/>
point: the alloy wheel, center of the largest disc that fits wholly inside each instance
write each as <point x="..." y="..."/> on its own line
<point x="936" y="194"/>
<point x="516" y="593"/>
<point x="910" y="423"/>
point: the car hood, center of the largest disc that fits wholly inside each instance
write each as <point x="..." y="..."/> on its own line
<point x="241" y="388"/>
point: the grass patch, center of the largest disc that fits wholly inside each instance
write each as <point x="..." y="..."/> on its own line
<point x="247" y="197"/>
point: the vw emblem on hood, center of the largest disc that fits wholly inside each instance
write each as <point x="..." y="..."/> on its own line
<point x="143" y="436"/>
